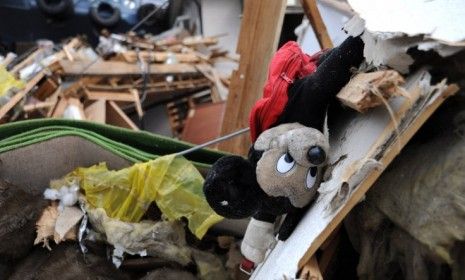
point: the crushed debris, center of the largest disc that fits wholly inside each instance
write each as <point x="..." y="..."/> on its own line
<point x="124" y="74"/>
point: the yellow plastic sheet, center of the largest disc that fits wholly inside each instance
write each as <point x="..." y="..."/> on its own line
<point x="7" y="81"/>
<point x="172" y="182"/>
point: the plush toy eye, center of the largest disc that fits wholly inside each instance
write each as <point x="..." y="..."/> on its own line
<point x="311" y="177"/>
<point x="285" y="163"/>
<point x="316" y="155"/>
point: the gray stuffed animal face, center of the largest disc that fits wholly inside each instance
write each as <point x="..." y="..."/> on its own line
<point x="292" y="161"/>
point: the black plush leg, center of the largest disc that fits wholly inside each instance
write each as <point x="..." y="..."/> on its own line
<point x="290" y="223"/>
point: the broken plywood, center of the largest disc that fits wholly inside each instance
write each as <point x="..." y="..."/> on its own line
<point x="362" y="146"/>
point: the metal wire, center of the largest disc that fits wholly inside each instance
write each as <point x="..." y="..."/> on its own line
<point x="214" y="141"/>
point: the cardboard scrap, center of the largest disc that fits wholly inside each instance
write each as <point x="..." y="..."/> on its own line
<point x="367" y="90"/>
<point x="67" y="221"/>
<point x="61" y="226"/>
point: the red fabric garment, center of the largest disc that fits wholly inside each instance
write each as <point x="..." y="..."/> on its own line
<point x="287" y="64"/>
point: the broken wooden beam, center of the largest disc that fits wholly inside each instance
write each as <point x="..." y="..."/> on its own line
<point x="116" y="116"/>
<point x="21" y="94"/>
<point x="114" y="96"/>
<point x="258" y="40"/>
<point x="137" y="104"/>
<point x="157" y="88"/>
<point x="160" y="57"/>
<point x="117" y="68"/>
<point x="316" y="21"/>
<point x="37" y="106"/>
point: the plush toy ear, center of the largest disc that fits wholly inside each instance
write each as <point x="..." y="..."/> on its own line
<point x="231" y="188"/>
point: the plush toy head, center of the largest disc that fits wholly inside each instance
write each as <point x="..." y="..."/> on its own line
<point x="285" y="164"/>
<point x="291" y="162"/>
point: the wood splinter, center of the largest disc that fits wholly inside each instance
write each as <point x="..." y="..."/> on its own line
<point x="367" y="90"/>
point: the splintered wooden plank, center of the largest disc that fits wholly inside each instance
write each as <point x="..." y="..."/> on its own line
<point x="137" y="104"/>
<point x="131" y="56"/>
<point x="258" y="39"/>
<point x="37" y="106"/>
<point x="362" y="146"/>
<point x="196" y="40"/>
<point x="157" y="88"/>
<point x="219" y="92"/>
<point x="20" y="94"/>
<point x="115" y="96"/>
<point x="116" y="116"/>
<point x="118" y="68"/>
<point x="96" y="111"/>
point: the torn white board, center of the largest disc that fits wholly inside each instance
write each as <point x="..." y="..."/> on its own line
<point x="380" y="49"/>
<point x="390" y="28"/>
<point x="440" y="20"/>
<point x="390" y="49"/>
<point x="361" y="145"/>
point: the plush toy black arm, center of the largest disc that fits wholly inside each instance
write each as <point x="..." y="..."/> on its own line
<point x="264" y="217"/>
<point x="310" y="96"/>
<point x="290" y="223"/>
<point x="231" y="188"/>
<point x="325" y="55"/>
<point x="334" y="71"/>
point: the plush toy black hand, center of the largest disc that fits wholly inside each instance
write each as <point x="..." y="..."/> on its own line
<point x="285" y="163"/>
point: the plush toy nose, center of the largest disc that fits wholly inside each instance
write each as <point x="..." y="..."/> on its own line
<point x="316" y="155"/>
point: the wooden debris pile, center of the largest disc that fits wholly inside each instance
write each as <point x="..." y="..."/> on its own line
<point x="124" y="75"/>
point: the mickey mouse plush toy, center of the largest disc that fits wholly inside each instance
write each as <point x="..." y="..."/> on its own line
<point x="285" y="163"/>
